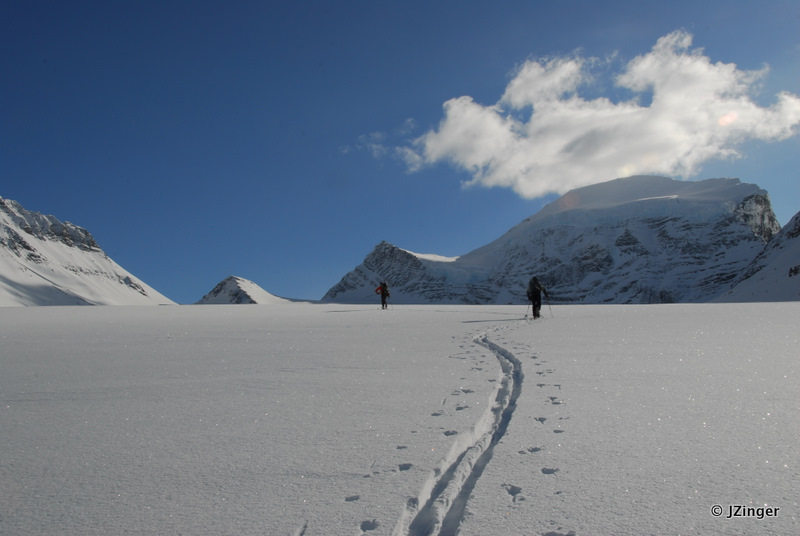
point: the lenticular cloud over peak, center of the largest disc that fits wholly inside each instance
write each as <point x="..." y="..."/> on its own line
<point x="542" y="137"/>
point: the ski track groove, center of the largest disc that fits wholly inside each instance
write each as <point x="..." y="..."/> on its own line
<point x="445" y="507"/>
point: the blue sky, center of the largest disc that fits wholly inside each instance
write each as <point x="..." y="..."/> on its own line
<point x="281" y="141"/>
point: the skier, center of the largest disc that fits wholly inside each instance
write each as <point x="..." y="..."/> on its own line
<point x="534" y="293"/>
<point x="383" y="290"/>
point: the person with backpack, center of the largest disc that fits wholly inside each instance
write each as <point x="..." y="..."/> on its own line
<point x="534" y="292"/>
<point x="383" y="290"/>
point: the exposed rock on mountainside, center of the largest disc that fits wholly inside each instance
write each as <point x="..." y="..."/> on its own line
<point x="774" y="275"/>
<point x="46" y="262"/>
<point x="236" y="290"/>
<point x="634" y="240"/>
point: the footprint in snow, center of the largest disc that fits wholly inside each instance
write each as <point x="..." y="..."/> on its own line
<point x="514" y="491"/>
<point x="369" y="525"/>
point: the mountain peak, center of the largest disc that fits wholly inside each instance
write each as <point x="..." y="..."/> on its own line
<point x="774" y="275"/>
<point x="46" y="227"/>
<point x="237" y="290"/>
<point x="644" y="193"/>
<point x="39" y="265"/>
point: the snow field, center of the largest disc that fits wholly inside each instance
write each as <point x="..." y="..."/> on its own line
<point x="340" y="419"/>
<point x="230" y="419"/>
<point x="639" y="419"/>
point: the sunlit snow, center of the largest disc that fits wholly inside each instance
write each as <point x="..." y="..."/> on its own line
<point x="326" y="419"/>
<point x="432" y="257"/>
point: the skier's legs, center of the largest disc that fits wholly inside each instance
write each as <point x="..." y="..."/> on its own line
<point x="537" y="306"/>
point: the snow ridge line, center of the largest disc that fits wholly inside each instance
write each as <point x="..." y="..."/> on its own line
<point x="445" y="507"/>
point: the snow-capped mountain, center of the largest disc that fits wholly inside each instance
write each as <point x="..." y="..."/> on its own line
<point x="635" y="240"/>
<point x="46" y="262"/>
<point x="774" y="275"/>
<point x="236" y="290"/>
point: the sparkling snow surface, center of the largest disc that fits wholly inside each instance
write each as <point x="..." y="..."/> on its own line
<point x="308" y="419"/>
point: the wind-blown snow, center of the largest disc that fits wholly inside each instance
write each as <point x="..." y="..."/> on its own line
<point x="633" y="193"/>
<point x="320" y="419"/>
<point x="432" y="257"/>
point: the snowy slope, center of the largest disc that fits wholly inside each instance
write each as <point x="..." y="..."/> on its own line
<point x="634" y="240"/>
<point x="236" y="290"/>
<point x="46" y="262"/>
<point x="774" y="275"/>
<point x="329" y="419"/>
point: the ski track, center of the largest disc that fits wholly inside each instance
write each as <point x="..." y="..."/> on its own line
<point x="445" y="506"/>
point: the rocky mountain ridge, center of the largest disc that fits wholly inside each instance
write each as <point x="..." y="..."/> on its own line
<point x="774" y="275"/>
<point x="44" y="261"/>
<point x="634" y="240"/>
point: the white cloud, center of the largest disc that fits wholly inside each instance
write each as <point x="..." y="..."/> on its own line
<point x="543" y="137"/>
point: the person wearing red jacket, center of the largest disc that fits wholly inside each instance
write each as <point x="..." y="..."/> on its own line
<point x="383" y="290"/>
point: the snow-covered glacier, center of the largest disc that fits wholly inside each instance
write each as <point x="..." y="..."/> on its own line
<point x="332" y="419"/>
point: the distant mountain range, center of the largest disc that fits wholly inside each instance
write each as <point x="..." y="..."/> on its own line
<point x="46" y="262"/>
<point x="634" y="240"/>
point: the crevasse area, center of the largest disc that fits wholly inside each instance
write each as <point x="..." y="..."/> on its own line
<point x="341" y="419"/>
